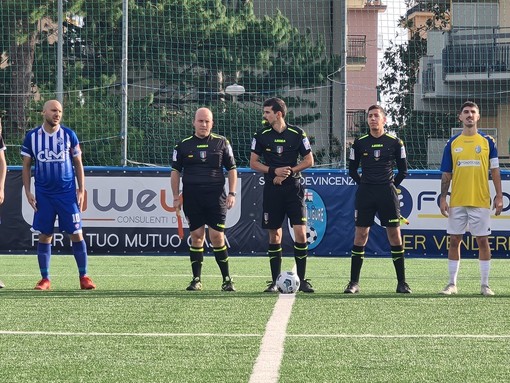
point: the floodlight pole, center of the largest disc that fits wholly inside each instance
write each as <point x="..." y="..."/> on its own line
<point x="60" y="55"/>
<point x="124" y="84"/>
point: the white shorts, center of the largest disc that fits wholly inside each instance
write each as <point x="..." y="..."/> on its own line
<point x="476" y="220"/>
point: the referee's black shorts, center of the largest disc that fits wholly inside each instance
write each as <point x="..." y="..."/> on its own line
<point x="205" y="206"/>
<point x="377" y="199"/>
<point x="283" y="200"/>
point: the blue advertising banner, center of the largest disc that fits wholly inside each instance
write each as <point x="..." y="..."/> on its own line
<point x="129" y="211"/>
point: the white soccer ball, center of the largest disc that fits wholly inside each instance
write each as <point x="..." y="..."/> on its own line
<point x="287" y="282"/>
<point x="311" y="235"/>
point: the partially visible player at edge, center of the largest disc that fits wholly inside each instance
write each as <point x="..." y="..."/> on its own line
<point x="280" y="144"/>
<point x="58" y="169"/>
<point x="3" y="174"/>
<point x="467" y="159"/>
<point x="201" y="159"/>
<point x="377" y="152"/>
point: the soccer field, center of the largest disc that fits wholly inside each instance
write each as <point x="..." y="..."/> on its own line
<point x="140" y="325"/>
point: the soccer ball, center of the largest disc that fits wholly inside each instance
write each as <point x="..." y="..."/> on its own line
<point x="311" y="235"/>
<point x="287" y="282"/>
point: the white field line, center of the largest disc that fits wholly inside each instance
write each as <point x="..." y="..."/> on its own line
<point x="267" y="365"/>
<point x="59" y="275"/>
<point x="127" y="334"/>
<point x="403" y="336"/>
<point x="217" y="335"/>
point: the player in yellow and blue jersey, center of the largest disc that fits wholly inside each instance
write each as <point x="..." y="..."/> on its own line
<point x="467" y="159"/>
<point x="55" y="150"/>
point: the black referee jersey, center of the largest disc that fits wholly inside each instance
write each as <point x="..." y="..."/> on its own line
<point x="378" y="157"/>
<point x="280" y="149"/>
<point x="201" y="160"/>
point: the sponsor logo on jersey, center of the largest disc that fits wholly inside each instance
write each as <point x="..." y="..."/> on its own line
<point x="467" y="163"/>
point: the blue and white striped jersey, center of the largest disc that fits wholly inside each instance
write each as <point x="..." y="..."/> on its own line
<point x="53" y="157"/>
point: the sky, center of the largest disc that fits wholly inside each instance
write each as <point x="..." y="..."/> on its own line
<point x="388" y="29"/>
<point x="388" y="22"/>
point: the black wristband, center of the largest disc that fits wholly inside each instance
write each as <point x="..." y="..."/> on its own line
<point x="272" y="172"/>
<point x="233" y="194"/>
<point x="291" y="172"/>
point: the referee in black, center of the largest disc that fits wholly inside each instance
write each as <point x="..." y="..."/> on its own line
<point x="202" y="158"/>
<point x="279" y="145"/>
<point x="377" y="151"/>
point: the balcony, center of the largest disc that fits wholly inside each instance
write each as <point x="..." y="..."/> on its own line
<point x="355" y="121"/>
<point x="461" y="63"/>
<point x="356" y="51"/>
<point x="469" y="62"/>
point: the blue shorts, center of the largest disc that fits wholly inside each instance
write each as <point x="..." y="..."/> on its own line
<point x="65" y="206"/>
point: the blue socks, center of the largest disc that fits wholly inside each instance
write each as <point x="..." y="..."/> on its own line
<point x="80" y="255"/>
<point x="43" y="257"/>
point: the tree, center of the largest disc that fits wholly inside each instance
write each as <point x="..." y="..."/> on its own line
<point x="26" y="25"/>
<point x="189" y="49"/>
<point x="400" y="66"/>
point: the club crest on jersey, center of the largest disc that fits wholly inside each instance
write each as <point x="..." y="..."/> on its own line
<point x="478" y="149"/>
<point x="279" y="150"/>
<point x="266" y="218"/>
<point x="203" y="155"/>
<point x="377" y="154"/>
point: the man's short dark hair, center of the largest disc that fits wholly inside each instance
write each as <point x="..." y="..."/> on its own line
<point x="378" y="107"/>
<point x="277" y="105"/>
<point x="469" y="104"/>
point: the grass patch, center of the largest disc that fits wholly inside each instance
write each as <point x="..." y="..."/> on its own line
<point x="140" y="325"/>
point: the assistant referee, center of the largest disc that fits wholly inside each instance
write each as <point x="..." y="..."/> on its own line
<point x="201" y="159"/>
<point x="378" y="152"/>
<point x="279" y="145"/>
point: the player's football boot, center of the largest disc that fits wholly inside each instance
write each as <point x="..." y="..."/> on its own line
<point x="306" y="287"/>
<point x="449" y="289"/>
<point x="228" y="284"/>
<point x="195" y="285"/>
<point x="352" y="288"/>
<point x="486" y="291"/>
<point x="271" y="287"/>
<point x="43" y="284"/>
<point x="2" y="285"/>
<point x="86" y="283"/>
<point x="403" y="288"/>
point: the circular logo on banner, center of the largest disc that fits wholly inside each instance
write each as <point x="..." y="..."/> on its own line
<point x="316" y="219"/>
<point x="405" y="201"/>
